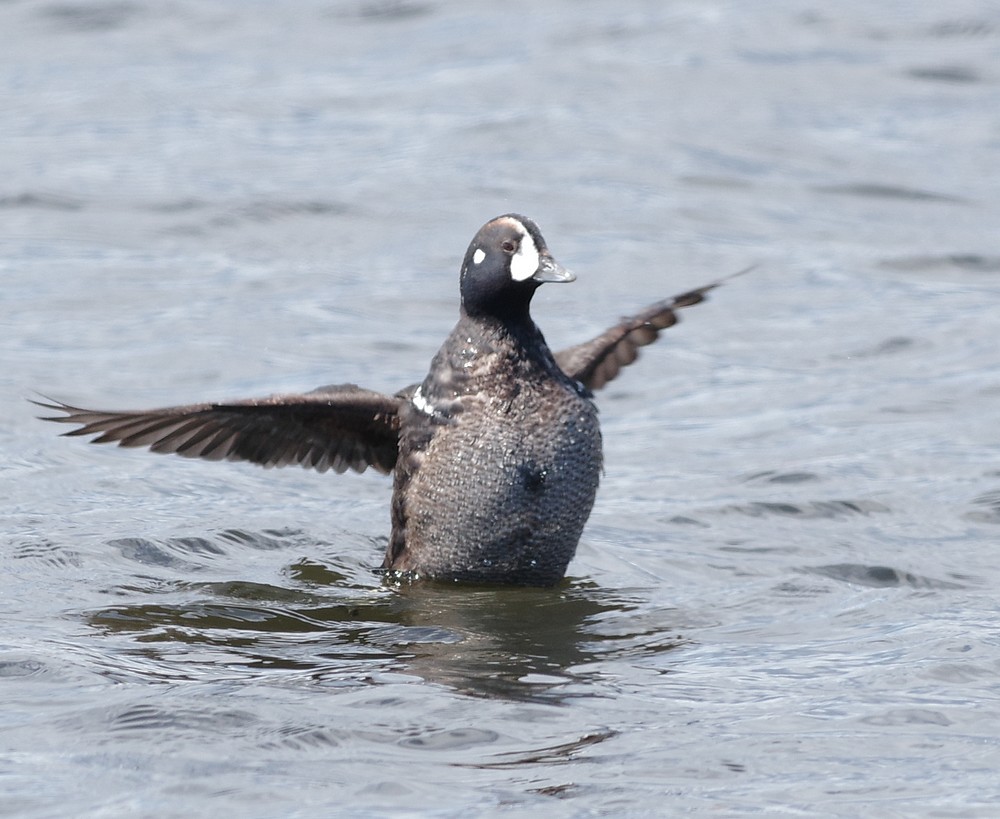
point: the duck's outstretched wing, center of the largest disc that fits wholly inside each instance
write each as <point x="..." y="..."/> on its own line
<point x="598" y="361"/>
<point x="338" y="427"/>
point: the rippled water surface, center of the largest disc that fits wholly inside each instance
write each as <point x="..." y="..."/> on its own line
<point x="785" y="600"/>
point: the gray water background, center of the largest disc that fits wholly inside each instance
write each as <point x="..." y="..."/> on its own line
<point x="786" y="598"/>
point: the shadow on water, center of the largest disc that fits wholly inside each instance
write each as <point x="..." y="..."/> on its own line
<point x="336" y="624"/>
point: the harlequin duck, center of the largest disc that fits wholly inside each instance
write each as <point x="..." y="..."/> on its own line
<point x="496" y="455"/>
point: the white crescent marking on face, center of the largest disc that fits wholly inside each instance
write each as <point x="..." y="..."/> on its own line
<point x="524" y="263"/>
<point x="478" y="256"/>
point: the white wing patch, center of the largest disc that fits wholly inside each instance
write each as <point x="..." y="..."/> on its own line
<point x="478" y="256"/>
<point x="524" y="263"/>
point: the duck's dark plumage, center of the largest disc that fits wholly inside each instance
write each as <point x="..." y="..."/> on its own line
<point x="496" y="454"/>
<point x="338" y="427"/>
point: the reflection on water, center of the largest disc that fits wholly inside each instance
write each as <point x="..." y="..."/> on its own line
<point x="521" y="644"/>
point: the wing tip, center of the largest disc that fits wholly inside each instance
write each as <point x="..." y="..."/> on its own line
<point x="55" y="404"/>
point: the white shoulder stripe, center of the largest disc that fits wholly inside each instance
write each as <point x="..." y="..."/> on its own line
<point x="422" y="403"/>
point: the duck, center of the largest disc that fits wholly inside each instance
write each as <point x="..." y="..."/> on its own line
<point x="495" y="456"/>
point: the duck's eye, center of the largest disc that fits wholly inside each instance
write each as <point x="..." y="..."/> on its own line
<point x="508" y="246"/>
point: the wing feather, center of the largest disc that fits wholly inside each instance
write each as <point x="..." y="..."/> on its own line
<point x="338" y="427"/>
<point x="596" y="362"/>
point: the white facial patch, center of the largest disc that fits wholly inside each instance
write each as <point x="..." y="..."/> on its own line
<point x="478" y="256"/>
<point x="524" y="263"/>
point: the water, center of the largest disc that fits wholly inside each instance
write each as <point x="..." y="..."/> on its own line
<point x="785" y="599"/>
